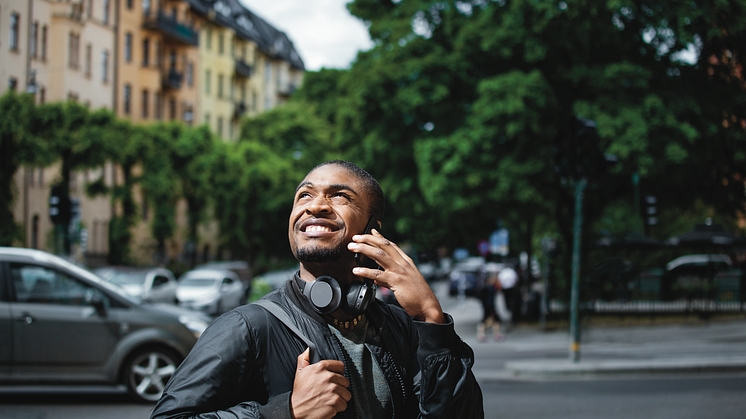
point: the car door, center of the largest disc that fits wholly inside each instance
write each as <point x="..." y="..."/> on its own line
<point x="161" y="290"/>
<point x="6" y="327"/>
<point x="57" y="330"/>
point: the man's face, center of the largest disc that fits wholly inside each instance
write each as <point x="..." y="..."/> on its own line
<point x="330" y="206"/>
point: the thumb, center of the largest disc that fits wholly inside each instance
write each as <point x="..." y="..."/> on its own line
<point x="304" y="359"/>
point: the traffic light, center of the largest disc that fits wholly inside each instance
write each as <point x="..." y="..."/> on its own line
<point x="59" y="206"/>
<point x="651" y="210"/>
<point x="576" y="151"/>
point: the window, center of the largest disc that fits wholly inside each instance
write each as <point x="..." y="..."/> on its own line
<point x="44" y="42"/>
<point x="38" y="284"/>
<point x="88" y="53"/>
<point x="208" y="38"/>
<point x="34" y="39"/>
<point x="127" y="94"/>
<point x="158" y="54"/>
<point x="207" y="82"/>
<point x="145" y="52"/>
<point x="35" y="232"/>
<point x="130" y="4"/>
<point x="42" y="96"/>
<point x="15" y="21"/>
<point x="72" y="97"/>
<point x="13" y="83"/>
<point x="74" y="51"/>
<point x="220" y="86"/>
<point x="106" y="12"/>
<point x="221" y="44"/>
<point x="105" y="66"/>
<point x="220" y="126"/>
<point x="146" y="7"/>
<point x="207" y="119"/>
<point x="128" y="47"/>
<point x="89" y="9"/>
<point x="231" y="88"/>
<point x="172" y="108"/>
<point x="190" y="74"/>
<point x="145" y="94"/>
<point x="254" y="101"/>
<point x="157" y="105"/>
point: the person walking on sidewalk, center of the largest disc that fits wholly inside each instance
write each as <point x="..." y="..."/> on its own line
<point x="490" y="319"/>
<point x="508" y="278"/>
<point x="353" y="356"/>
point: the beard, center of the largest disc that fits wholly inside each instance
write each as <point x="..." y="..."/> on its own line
<point x="312" y="254"/>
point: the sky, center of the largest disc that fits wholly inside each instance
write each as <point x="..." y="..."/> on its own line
<point x="323" y="32"/>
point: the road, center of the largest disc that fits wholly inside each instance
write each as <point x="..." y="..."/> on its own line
<point x="679" y="396"/>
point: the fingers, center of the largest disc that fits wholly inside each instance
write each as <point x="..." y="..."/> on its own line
<point x="304" y="359"/>
<point x="320" y="389"/>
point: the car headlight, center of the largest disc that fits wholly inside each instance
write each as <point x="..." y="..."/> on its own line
<point x="195" y="325"/>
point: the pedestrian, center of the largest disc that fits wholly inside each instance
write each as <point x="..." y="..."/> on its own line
<point x="348" y="356"/>
<point x="490" y="319"/>
<point x="508" y="278"/>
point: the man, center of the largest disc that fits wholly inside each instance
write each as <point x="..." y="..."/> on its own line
<point x="384" y="362"/>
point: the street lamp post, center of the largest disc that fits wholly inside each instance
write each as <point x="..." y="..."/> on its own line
<point x="575" y="292"/>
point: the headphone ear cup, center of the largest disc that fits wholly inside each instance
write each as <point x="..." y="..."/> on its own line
<point x="359" y="296"/>
<point x="324" y="293"/>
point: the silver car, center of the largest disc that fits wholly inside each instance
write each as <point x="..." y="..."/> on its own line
<point x="212" y="291"/>
<point x="154" y="285"/>
<point x="61" y="324"/>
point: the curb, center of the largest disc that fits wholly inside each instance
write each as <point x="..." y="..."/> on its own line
<point x="555" y="367"/>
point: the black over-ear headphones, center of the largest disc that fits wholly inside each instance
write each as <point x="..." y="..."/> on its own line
<point x="326" y="295"/>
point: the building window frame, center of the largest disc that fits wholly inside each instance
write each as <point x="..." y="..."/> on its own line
<point x="74" y="51"/>
<point x="145" y="52"/>
<point x="15" y="31"/>
<point x="128" y="47"/>
<point x="127" y="97"/>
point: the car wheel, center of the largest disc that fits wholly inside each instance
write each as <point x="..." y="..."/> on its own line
<point x="147" y="371"/>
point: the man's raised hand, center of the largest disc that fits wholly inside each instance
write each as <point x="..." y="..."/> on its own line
<point x="320" y="389"/>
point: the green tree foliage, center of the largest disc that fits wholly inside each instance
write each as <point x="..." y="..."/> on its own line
<point x="253" y="181"/>
<point x="18" y="147"/>
<point x="457" y="107"/>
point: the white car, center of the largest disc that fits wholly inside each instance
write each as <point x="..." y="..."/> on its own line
<point x="151" y="285"/>
<point x="211" y="291"/>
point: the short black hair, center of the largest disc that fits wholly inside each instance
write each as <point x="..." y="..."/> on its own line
<point x="372" y="188"/>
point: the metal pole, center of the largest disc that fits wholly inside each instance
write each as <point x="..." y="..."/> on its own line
<point x="575" y="293"/>
<point x="637" y="209"/>
<point x="545" y="244"/>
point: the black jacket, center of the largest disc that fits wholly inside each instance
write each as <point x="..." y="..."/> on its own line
<point x="243" y="365"/>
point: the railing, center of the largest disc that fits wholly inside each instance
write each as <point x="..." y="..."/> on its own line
<point x="173" y="29"/>
<point x="243" y="69"/>
<point x="172" y="80"/>
<point x="239" y="110"/>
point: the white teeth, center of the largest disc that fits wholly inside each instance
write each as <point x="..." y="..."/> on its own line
<point x="310" y="229"/>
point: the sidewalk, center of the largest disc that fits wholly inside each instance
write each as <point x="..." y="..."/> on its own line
<point x="526" y="351"/>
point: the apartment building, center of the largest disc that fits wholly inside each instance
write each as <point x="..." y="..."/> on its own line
<point x="246" y="66"/>
<point x="192" y="61"/>
<point x="58" y="51"/>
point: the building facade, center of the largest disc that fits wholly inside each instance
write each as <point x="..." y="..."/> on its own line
<point x="191" y="61"/>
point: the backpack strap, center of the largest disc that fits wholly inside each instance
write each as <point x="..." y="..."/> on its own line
<point x="283" y="316"/>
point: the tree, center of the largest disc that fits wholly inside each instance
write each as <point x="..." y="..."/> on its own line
<point x="18" y="147"/>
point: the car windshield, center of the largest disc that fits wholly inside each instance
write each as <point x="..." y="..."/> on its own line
<point x="128" y="278"/>
<point x="198" y="282"/>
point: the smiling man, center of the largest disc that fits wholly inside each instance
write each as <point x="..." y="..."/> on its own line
<point x="350" y="356"/>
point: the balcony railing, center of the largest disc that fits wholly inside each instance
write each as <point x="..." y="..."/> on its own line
<point x="172" y="80"/>
<point x="243" y="69"/>
<point x="173" y="29"/>
<point x="286" y="89"/>
<point x="239" y="110"/>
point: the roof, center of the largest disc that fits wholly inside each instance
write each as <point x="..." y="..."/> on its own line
<point x="249" y="26"/>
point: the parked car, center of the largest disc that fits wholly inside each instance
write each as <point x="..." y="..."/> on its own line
<point x="211" y="291"/>
<point x="62" y="324"/>
<point x="468" y="276"/>
<point x="155" y="285"/>
<point x="239" y="267"/>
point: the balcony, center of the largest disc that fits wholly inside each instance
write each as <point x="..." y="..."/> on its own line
<point x="172" y="80"/>
<point x="286" y="89"/>
<point x="239" y="110"/>
<point x="243" y="69"/>
<point x="173" y="29"/>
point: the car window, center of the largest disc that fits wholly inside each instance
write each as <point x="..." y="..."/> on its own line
<point x="126" y="278"/>
<point x="38" y="284"/>
<point x="198" y="282"/>
<point x="159" y="280"/>
<point x="227" y="281"/>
